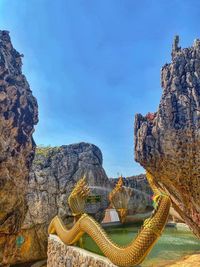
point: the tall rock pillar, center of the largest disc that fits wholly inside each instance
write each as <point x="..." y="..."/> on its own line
<point x="18" y="115"/>
<point x="167" y="143"/>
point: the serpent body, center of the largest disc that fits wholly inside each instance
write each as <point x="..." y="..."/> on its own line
<point x="130" y="255"/>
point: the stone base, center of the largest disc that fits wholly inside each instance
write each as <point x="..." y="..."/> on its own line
<point x="61" y="255"/>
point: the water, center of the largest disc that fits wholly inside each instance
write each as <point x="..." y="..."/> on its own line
<point x="172" y="245"/>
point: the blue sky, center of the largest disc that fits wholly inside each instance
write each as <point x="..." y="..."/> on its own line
<point x="94" y="64"/>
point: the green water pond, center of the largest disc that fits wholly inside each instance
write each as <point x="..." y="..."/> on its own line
<point x="173" y="244"/>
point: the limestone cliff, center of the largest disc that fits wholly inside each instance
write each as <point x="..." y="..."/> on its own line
<point x="167" y="143"/>
<point x="53" y="176"/>
<point x="18" y="114"/>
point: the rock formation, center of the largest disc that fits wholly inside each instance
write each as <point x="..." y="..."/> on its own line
<point x="18" y="114"/>
<point x="167" y="143"/>
<point x="53" y="176"/>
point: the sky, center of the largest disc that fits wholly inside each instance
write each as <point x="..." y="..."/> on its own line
<point x="94" y="64"/>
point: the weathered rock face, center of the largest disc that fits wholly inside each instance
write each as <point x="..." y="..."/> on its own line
<point x="167" y="143"/>
<point x="140" y="200"/>
<point x="54" y="174"/>
<point x="18" y="114"/>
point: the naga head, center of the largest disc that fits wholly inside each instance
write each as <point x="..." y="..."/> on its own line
<point x="119" y="198"/>
<point x="78" y="197"/>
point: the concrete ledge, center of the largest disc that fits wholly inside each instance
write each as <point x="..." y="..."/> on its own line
<point x="61" y="255"/>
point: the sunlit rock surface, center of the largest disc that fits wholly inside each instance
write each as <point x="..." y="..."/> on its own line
<point x="18" y="114"/>
<point x="167" y="143"/>
<point x="188" y="261"/>
<point x="54" y="174"/>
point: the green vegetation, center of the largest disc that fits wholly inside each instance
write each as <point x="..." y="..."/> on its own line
<point x="45" y="150"/>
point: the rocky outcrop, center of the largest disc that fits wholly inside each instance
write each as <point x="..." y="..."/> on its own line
<point x="18" y="114"/>
<point x="140" y="200"/>
<point x="167" y="143"/>
<point x="54" y="174"/>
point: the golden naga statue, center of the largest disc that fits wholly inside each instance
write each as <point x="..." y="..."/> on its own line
<point x="129" y="255"/>
<point x="119" y="198"/>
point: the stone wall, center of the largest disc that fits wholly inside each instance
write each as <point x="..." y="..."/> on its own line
<point x="60" y="255"/>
